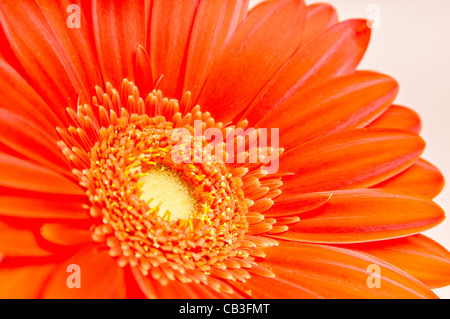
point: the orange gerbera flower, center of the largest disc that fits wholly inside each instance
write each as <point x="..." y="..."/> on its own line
<point x="115" y="181"/>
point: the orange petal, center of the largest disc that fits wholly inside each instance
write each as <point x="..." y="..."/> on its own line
<point x="350" y="159"/>
<point x="100" y="277"/>
<point x="65" y="235"/>
<point x="342" y="103"/>
<point x="336" y="51"/>
<point x="31" y="141"/>
<point x="365" y="215"/>
<point x="143" y="73"/>
<point x="319" y="16"/>
<point x="45" y="59"/>
<point x="214" y="24"/>
<point x="177" y="290"/>
<point x="24" y="282"/>
<point x="422" y="178"/>
<point x="317" y="271"/>
<point x="76" y="41"/>
<point x="54" y="208"/>
<point x="296" y="204"/>
<point x="20" y="98"/>
<point x="398" y="117"/>
<point x="119" y="28"/>
<point x="171" y="24"/>
<point x="7" y="53"/>
<point x="418" y="255"/>
<point x="251" y="57"/>
<point x="21" y="174"/>
<point x="18" y="242"/>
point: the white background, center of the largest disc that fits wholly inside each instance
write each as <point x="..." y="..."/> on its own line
<point x="412" y="45"/>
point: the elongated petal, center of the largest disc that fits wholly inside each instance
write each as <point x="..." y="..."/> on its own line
<point x="214" y="24"/>
<point x="171" y="25"/>
<point x="293" y="205"/>
<point x="77" y="40"/>
<point x="18" y="242"/>
<point x="316" y="271"/>
<point x="143" y="73"/>
<point x="320" y="16"/>
<point x="26" y="138"/>
<point x="422" y="178"/>
<point x="100" y="277"/>
<point x="342" y="103"/>
<point x="177" y="290"/>
<point x="65" y="235"/>
<point x="398" y="117"/>
<point x="18" y="173"/>
<point x="7" y="53"/>
<point x="418" y="255"/>
<point x="24" y="282"/>
<point x="365" y="215"/>
<point x="261" y="45"/>
<point x="20" y="98"/>
<point x="119" y="29"/>
<point x="336" y="51"/>
<point x="351" y="159"/>
<point x="28" y="207"/>
<point x="42" y="54"/>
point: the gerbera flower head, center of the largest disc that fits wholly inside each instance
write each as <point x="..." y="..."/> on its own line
<point x="199" y="149"/>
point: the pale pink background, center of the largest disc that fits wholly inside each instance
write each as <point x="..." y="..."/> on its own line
<point x="412" y="44"/>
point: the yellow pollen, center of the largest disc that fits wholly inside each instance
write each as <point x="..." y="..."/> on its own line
<point x="163" y="188"/>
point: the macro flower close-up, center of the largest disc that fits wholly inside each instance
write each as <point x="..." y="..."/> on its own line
<point x="182" y="149"/>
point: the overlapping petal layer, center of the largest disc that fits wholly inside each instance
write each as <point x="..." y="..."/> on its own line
<point x="351" y="191"/>
<point x="317" y="271"/>
<point x="365" y="215"/>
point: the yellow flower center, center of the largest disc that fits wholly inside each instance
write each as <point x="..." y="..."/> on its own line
<point x="164" y="189"/>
